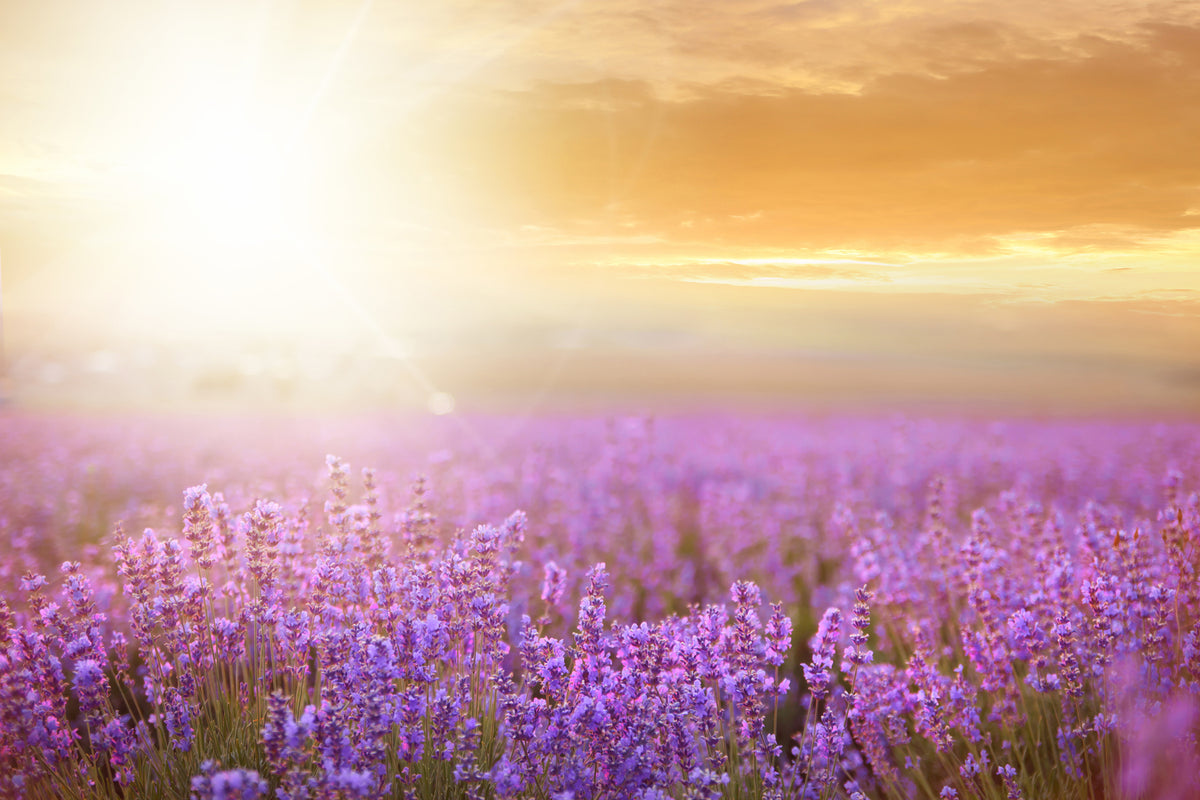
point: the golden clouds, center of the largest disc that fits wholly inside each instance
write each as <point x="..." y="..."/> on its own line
<point x="1078" y="146"/>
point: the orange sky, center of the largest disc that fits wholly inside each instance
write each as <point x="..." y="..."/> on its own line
<point x="982" y="183"/>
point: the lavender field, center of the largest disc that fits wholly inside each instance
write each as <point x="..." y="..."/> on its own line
<point x="586" y="608"/>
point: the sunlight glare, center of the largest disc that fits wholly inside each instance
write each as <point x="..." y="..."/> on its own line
<point x="226" y="181"/>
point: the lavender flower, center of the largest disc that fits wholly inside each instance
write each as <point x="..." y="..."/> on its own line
<point x="1008" y="774"/>
<point x="234" y="784"/>
<point x="198" y="527"/>
<point x="818" y="672"/>
<point x="778" y="636"/>
<point x="554" y="584"/>
<point x="858" y="653"/>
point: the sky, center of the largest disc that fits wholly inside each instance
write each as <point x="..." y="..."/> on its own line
<point x="971" y="197"/>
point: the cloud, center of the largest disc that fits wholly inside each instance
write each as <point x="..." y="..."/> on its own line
<point x="1181" y="303"/>
<point x="34" y="213"/>
<point x="1101" y="142"/>
<point x="784" y="273"/>
<point x="16" y="186"/>
<point x="818" y="45"/>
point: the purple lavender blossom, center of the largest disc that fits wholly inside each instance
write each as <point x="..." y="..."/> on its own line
<point x="553" y="584"/>
<point x="778" y="636"/>
<point x="233" y="784"/>
<point x="818" y="672"/>
<point x="858" y="654"/>
<point x="198" y="527"/>
<point x="1012" y="788"/>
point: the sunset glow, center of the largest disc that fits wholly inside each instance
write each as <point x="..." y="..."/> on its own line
<point x="831" y="179"/>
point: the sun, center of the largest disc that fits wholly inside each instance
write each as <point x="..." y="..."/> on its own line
<point x="228" y="181"/>
<point x="220" y="225"/>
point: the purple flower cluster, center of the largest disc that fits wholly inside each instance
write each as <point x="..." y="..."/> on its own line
<point x="691" y="608"/>
<point x="230" y="784"/>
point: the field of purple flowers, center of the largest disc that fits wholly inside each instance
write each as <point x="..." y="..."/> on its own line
<point x="691" y="607"/>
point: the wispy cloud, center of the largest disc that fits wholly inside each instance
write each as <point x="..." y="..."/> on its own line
<point x="914" y="160"/>
<point x="762" y="272"/>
